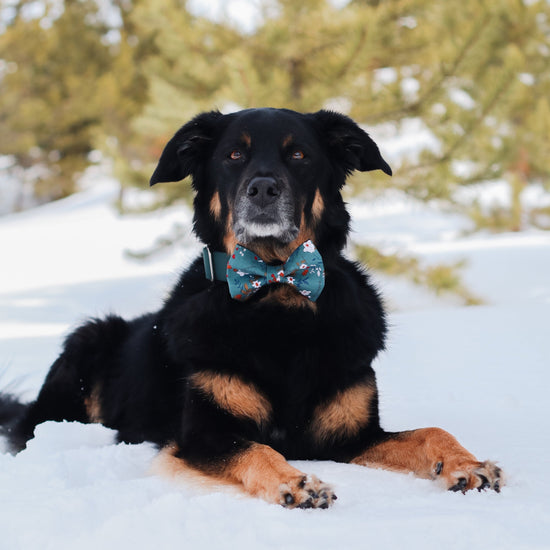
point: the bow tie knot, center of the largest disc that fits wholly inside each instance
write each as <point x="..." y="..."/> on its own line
<point x="247" y="272"/>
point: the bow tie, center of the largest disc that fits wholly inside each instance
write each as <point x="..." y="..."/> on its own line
<point x="246" y="272"/>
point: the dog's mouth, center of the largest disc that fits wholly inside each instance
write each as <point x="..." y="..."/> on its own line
<point x="265" y="219"/>
<point x="251" y="229"/>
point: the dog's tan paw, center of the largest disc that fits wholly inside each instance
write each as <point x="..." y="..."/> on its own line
<point x="306" y="492"/>
<point x="475" y="475"/>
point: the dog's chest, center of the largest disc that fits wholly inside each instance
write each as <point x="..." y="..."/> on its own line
<point x="291" y="352"/>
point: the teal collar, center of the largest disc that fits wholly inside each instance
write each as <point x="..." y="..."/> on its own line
<point x="215" y="264"/>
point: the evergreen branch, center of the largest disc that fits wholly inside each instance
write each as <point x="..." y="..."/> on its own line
<point x="445" y="74"/>
<point x="483" y="174"/>
<point x="353" y="56"/>
<point x="469" y="129"/>
<point x="474" y="123"/>
<point x="246" y="84"/>
<point x="441" y="279"/>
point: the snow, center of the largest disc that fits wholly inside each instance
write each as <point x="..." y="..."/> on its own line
<point x="462" y="99"/>
<point x="479" y="372"/>
<point x="405" y="141"/>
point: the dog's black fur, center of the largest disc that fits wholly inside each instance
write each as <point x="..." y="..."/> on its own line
<point x="251" y="170"/>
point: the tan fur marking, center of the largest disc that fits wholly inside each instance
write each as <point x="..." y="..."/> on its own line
<point x="168" y="465"/>
<point x="306" y="233"/>
<point x="93" y="405"/>
<point x="257" y="470"/>
<point x="229" y="240"/>
<point x="288" y="296"/>
<point x="288" y="140"/>
<point x="344" y="415"/>
<point x="247" y="140"/>
<point x="318" y="206"/>
<point x="274" y="253"/>
<point x="271" y="253"/>
<point x="416" y="451"/>
<point x="234" y="395"/>
<point x="420" y="451"/>
<point x="216" y="206"/>
<point x="262" y="470"/>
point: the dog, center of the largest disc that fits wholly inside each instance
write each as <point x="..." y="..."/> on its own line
<point x="263" y="351"/>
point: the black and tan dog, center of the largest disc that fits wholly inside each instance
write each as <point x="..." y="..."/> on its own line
<point x="232" y="383"/>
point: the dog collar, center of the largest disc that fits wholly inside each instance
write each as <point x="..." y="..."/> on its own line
<point x="246" y="273"/>
<point x="215" y="264"/>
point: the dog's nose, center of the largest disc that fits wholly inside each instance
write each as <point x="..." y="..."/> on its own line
<point x="263" y="190"/>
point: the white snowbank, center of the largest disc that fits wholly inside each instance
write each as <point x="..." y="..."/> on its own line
<point x="482" y="373"/>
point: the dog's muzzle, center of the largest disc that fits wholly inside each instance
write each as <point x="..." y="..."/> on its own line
<point x="264" y="208"/>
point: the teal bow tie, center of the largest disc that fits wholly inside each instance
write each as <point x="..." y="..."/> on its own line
<point x="246" y="272"/>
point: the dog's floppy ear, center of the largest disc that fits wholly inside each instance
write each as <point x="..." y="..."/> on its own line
<point x="349" y="144"/>
<point x="182" y="153"/>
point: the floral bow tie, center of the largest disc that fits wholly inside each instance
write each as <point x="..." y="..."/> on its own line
<point x="246" y="272"/>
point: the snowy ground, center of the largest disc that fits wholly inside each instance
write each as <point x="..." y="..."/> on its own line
<point x="480" y="372"/>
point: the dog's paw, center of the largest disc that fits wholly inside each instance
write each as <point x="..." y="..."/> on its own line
<point x="474" y="475"/>
<point x="306" y="492"/>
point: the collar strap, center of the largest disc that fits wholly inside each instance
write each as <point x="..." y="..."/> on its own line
<point x="215" y="264"/>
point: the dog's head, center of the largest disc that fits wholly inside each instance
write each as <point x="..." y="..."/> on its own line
<point x="269" y="179"/>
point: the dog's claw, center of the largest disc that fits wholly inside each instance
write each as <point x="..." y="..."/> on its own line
<point x="307" y="504"/>
<point x="484" y="483"/>
<point x="460" y="485"/>
<point x="481" y="476"/>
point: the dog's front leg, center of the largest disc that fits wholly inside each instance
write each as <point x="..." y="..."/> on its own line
<point x="224" y="415"/>
<point x="259" y="470"/>
<point x="432" y="453"/>
<point x="265" y="473"/>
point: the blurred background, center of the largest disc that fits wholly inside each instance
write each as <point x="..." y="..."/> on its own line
<point x="456" y="93"/>
<point x="467" y="82"/>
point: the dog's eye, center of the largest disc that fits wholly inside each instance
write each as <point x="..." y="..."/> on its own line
<point x="298" y="155"/>
<point x="235" y="155"/>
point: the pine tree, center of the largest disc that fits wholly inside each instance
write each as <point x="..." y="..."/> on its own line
<point x="182" y="57"/>
<point x="305" y="57"/>
<point x="473" y="73"/>
<point x="481" y="72"/>
<point x="66" y="83"/>
<point x="458" y="66"/>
